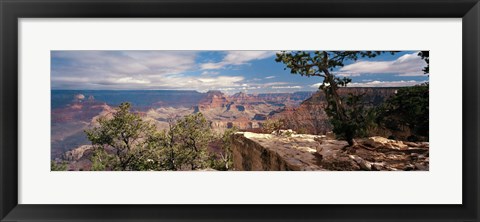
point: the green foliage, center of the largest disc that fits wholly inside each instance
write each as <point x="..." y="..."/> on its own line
<point x="273" y="126"/>
<point x="125" y="136"/>
<point x="191" y="137"/>
<point x="358" y="118"/>
<point x="347" y="115"/>
<point x="408" y="108"/>
<point x="102" y="161"/>
<point x="54" y="166"/>
<point x="126" y="142"/>
<point x="223" y="160"/>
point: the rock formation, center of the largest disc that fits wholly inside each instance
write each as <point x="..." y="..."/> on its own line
<point x="258" y="152"/>
<point x="213" y="99"/>
<point x="77" y="159"/>
<point x="290" y="151"/>
<point x="242" y="110"/>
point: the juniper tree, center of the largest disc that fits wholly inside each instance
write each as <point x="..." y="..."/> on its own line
<point x="223" y="158"/>
<point x="192" y="137"/>
<point x="346" y="113"/>
<point x="184" y="145"/>
<point x="127" y="142"/>
<point x="120" y="141"/>
<point x="408" y="108"/>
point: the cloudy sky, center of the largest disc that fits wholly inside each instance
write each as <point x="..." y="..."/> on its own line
<point x="229" y="71"/>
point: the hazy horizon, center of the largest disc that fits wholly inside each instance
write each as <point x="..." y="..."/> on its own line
<point x="224" y="92"/>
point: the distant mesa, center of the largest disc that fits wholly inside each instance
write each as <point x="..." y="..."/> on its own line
<point x="215" y="92"/>
<point x="213" y="99"/>
<point x="240" y="95"/>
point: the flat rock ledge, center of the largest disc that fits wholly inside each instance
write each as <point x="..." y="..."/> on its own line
<point x="288" y="151"/>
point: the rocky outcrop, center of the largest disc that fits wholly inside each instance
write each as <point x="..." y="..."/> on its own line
<point x="213" y="99"/>
<point x="259" y="152"/>
<point x="308" y="119"/>
<point x="241" y="110"/>
<point x="77" y="159"/>
<point x="78" y="153"/>
<point x="286" y="150"/>
<point x="243" y="98"/>
<point x="286" y="99"/>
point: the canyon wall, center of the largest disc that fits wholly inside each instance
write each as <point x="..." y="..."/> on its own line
<point x="266" y="152"/>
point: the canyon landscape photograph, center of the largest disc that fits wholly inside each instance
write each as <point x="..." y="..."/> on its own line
<point x="237" y="110"/>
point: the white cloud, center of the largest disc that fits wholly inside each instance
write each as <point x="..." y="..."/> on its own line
<point x="286" y="87"/>
<point x="117" y="69"/>
<point x="270" y="77"/>
<point x="212" y="65"/>
<point x="197" y="83"/>
<point x="133" y="70"/>
<point x="124" y="62"/>
<point x="132" y="80"/>
<point x="123" y="69"/>
<point x="210" y="73"/>
<point x="179" y="82"/>
<point x="346" y="74"/>
<point x="237" y="58"/>
<point x="241" y="57"/>
<point x="273" y="84"/>
<point x="406" y="65"/>
<point x="386" y="83"/>
<point x="260" y="82"/>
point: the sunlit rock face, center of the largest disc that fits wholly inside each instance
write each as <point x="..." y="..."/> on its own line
<point x="213" y="99"/>
<point x="258" y="152"/>
<point x="285" y="150"/>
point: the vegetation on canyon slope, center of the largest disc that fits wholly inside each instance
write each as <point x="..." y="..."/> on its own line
<point x="408" y="108"/>
<point x="126" y="142"/>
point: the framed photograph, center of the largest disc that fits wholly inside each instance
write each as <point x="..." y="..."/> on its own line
<point x="226" y="110"/>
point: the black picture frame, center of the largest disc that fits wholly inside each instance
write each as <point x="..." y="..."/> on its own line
<point x="12" y="10"/>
